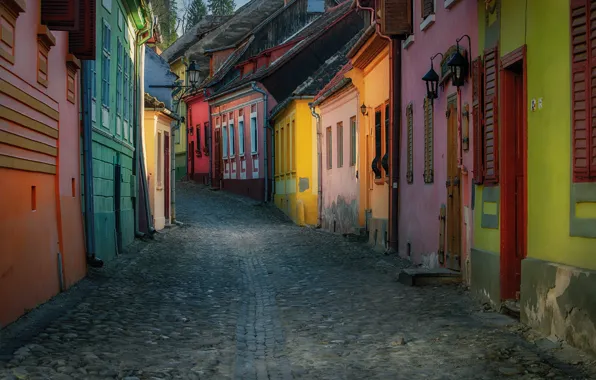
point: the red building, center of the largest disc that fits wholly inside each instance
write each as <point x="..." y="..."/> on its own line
<point x="198" y="138"/>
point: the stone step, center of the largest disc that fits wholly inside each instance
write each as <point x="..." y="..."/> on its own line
<point x="427" y="276"/>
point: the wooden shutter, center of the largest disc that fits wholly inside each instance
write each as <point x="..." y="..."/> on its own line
<point x="491" y="116"/>
<point x="427" y="7"/>
<point x="410" y="151"/>
<point x="583" y="92"/>
<point x="396" y="17"/>
<point x="82" y="41"/>
<point x="477" y="113"/>
<point x="428" y="140"/>
<point x="60" y="14"/>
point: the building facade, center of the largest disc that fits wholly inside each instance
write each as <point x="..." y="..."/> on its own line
<point x="41" y="231"/>
<point x="183" y="159"/>
<point x="198" y="137"/>
<point x="436" y="221"/>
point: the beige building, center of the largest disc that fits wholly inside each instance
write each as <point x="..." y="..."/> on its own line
<point x="158" y="159"/>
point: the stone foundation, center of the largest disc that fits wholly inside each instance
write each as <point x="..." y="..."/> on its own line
<point x="485" y="281"/>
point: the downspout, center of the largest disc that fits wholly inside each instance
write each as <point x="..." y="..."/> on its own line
<point x="88" y="169"/>
<point x="265" y="152"/>
<point x="319" y="165"/>
<point x="209" y="142"/>
<point x="173" y="173"/>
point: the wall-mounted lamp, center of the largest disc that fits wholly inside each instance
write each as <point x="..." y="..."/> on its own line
<point x="459" y="65"/>
<point x="363" y="110"/>
<point x="431" y="78"/>
<point x="193" y="73"/>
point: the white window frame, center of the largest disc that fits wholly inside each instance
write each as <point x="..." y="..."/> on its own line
<point x="241" y="141"/>
<point x="254" y="144"/>
<point x="224" y="140"/>
<point x="232" y="136"/>
<point x="428" y="20"/>
<point x="107" y="4"/>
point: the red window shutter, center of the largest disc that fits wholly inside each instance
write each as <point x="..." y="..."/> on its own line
<point x="82" y="41"/>
<point x="396" y="17"/>
<point x="477" y="114"/>
<point x="491" y="113"/>
<point x="583" y="91"/>
<point x="60" y="14"/>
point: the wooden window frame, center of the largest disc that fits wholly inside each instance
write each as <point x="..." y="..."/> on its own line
<point x="490" y="119"/>
<point x="9" y="12"/>
<point x="428" y="141"/>
<point x="339" y="131"/>
<point x="353" y="140"/>
<point x="329" y="147"/>
<point x="583" y="93"/>
<point x="410" y="143"/>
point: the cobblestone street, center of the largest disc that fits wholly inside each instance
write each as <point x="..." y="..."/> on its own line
<point x="238" y="292"/>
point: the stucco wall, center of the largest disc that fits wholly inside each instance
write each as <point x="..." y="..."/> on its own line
<point x="421" y="202"/>
<point x="340" y="184"/>
<point x="157" y="72"/>
<point x="198" y="115"/>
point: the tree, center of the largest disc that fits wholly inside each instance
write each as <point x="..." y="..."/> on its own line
<point x="166" y="12"/>
<point x="221" y="7"/>
<point x="194" y="13"/>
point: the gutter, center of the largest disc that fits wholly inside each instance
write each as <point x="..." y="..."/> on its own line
<point x="209" y="142"/>
<point x="319" y="165"/>
<point x="265" y="151"/>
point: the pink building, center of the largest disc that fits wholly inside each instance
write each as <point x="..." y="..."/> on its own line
<point x="198" y="133"/>
<point x="436" y="148"/>
<point x="42" y="247"/>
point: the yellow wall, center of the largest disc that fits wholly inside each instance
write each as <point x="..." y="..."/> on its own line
<point x="513" y="19"/>
<point x="179" y="69"/>
<point x="373" y="90"/>
<point x="294" y="157"/>
<point x="549" y="134"/>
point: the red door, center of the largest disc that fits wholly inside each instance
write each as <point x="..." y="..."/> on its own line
<point x="216" y="159"/>
<point x="166" y="174"/>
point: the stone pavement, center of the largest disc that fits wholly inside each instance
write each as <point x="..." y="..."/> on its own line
<point x="238" y="292"/>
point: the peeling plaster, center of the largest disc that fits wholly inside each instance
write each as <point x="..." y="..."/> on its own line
<point x="341" y="216"/>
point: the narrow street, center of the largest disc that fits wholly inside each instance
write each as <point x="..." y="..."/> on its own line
<point x="238" y="292"/>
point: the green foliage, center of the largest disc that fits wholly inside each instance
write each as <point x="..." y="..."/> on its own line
<point x="166" y="12"/>
<point x="221" y="7"/>
<point x="194" y="13"/>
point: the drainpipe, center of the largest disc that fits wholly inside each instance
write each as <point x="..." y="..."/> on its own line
<point x="88" y="169"/>
<point x="210" y="129"/>
<point x="265" y="160"/>
<point x="319" y="165"/>
<point x="173" y="173"/>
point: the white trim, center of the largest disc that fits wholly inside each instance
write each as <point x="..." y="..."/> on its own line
<point x="450" y="3"/>
<point x="231" y="143"/>
<point x="241" y="153"/>
<point x="232" y="97"/>
<point x="226" y="111"/>
<point x="256" y="151"/>
<point x="107" y="4"/>
<point x="408" y="41"/>
<point x="428" y="21"/>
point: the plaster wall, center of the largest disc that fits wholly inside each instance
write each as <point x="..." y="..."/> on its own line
<point x="198" y="115"/>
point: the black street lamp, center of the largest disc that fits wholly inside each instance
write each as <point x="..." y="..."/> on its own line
<point x="459" y="65"/>
<point x="363" y="110"/>
<point x="431" y="78"/>
<point x="192" y="73"/>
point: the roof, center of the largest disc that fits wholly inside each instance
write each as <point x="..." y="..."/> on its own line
<point x="153" y="102"/>
<point x="314" y="30"/>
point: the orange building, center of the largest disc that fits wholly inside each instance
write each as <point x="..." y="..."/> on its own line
<point x="42" y="249"/>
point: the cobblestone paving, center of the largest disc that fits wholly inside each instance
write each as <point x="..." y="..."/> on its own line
<point x="238" y="292"/>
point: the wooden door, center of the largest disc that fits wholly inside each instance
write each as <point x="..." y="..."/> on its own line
<point x="166" y="175"/>
<point x="453" y="252"/>
<point x="191" y="159"/>
<point x="520" y="182"/>
<point x="216" y="158"/>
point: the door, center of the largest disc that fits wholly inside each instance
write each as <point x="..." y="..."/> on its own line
<point x="513" y="180"/>
<point x="191" y="159"/>
<point x="166" y="175"/>
<point x="216" y="158"/>
<point x="453" y="252"/>
<point x="118" y="203"/>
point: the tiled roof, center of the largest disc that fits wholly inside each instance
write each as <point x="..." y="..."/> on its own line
<point x="309" y="34"/>
<point x="332" y="84"/>
<point x="228" y="64"/>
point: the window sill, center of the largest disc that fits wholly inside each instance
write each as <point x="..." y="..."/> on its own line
<point x="428" y="21"/>
<point x="241" y="155"/>
<point x="450" y="3"/>
<point x="232" y="157"/>
<point x="255" y="154"/>
<point x="408" y="41"/>
<point x="159" y="187"/>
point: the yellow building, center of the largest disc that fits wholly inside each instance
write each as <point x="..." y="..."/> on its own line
<point x="535" y="212"/>
<point x="295" y="161"/>
<point x="370" y="75"/>
<point x="178" y="67"/>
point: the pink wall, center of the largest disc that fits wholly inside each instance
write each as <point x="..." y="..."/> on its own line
<point x="198" y="115"/>
<point x="341" y="188"/>
<point x="420" y="202"/>
<point x="31" y="237"/>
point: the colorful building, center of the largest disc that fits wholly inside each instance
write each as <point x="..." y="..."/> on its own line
<point x="535" y="224"/>
<point x="370" y="75"/>
<point x="199" y="138"/>
<point x="435" y="220"/>
<point x="41" y="231"/>
<point x="338" y="105"/>
<point x="115" y="88"/>
<point x="183" y="159"/>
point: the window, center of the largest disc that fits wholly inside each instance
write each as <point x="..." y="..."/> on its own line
<point x="107" y="4"/>
<point x="177" y="138"/>
<point x="105" y="68"/>
<point x="93" y="79"/>
<point x="131" y="86"/>
<point x="159" y="167"/>
<point x="376" y="164"/>
<point x="340" y="144"/>
<point x="224" y="138"/>
<point x="198" y="138"/>
<point x="282" y="150"/>
<point x="207" y="135"/>
<point x="277" y="156"/>
<point x="241" y="137"/>
<point x="427" y="8"/>
<point x="428" y="141"/>
<point x="385" y="160"/>
<point x="253" y="133"/>
<point x="126" y="85"/>
<point x="288" y="148"/>
<point x="410" y="158"/>
<point x="119" y="84"/>
<point x="293" y="146"/>
<point x="232" y="138"/>
<point x="583" y="91"/>
<point x="329" y="149"/>
<point x="353" y="140"/>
